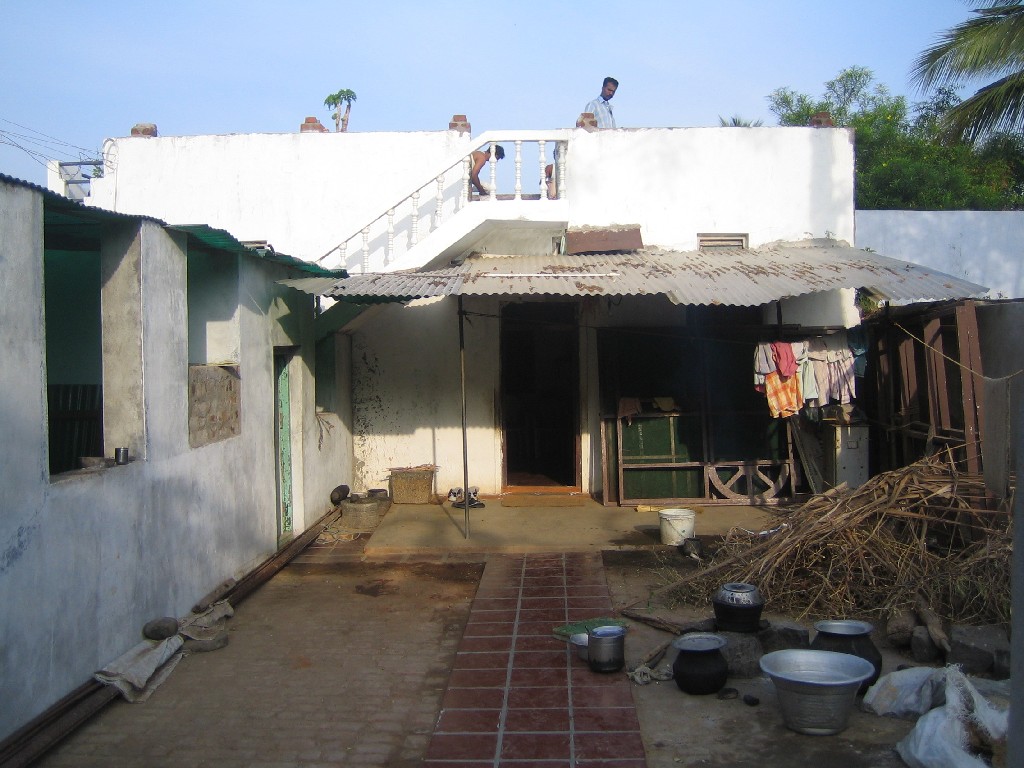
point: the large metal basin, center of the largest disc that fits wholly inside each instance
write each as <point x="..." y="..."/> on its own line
<point x="816" y="689"/>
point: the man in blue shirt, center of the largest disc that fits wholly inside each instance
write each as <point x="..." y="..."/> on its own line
<point x="601" y="106"/>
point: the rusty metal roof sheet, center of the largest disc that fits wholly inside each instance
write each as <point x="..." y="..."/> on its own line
<point x="741" y="277"/>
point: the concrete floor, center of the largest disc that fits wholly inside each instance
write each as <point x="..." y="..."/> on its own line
<point x="346" y="656"/>
<point x="591" y="526"/>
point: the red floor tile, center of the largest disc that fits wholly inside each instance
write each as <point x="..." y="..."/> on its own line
<point x="540" y="659"/>
<point x="534" y="746"/>
<point x="605" y="719"/>
<point x="531" y="698"/>
<point x="537" y="720"/>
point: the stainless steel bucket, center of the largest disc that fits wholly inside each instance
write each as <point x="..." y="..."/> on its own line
<point x="606" y="648"/>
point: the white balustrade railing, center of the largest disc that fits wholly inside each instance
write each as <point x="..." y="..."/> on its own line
<point x="378" y="243"/>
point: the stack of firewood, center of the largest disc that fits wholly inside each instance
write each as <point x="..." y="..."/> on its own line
<point x="913" y="538"/>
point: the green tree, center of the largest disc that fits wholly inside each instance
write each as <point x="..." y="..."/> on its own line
<point x="991" y="44"/>
<point x="334" y="101"/>
<point x="900" y="160"/>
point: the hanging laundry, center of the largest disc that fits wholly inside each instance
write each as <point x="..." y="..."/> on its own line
<point x="841" y="384"/>
<point x="763" y="364"/>
<point x="805" y="370"/>
<point x="857" y="339"/>
<point x="783" y="395"/>
<point x="817" y="356"/>
<point x="782" y="354"/>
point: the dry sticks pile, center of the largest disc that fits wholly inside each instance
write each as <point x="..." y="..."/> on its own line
<point x="913" y="535"/>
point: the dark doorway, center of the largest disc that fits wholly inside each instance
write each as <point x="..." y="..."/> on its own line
<point x="540" y="395"/>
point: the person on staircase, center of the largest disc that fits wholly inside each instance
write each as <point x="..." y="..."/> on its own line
<point x="477" y="161"/>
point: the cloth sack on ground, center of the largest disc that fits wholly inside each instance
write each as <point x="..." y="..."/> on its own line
<point x="207" y="624"/>
<point x="942" y="737"/>
<point x="137" y="673"/>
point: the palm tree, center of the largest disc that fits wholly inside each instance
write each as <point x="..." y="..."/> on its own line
<point x="738" y="122"/>
<point x="990" y="44"/>
<point x="334" y="101"/>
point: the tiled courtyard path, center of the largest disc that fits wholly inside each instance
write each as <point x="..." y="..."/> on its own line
<point x="517" y="696"/>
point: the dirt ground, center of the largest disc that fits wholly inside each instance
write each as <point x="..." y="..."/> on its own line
<point x="680" y="729"/>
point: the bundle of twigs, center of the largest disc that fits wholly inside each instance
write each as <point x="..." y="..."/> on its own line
<point x="919" y="530"/>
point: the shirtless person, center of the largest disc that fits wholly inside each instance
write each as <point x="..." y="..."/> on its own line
<point x="478" y="160"/>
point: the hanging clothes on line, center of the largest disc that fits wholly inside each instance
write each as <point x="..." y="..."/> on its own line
<point x="763" y="364"/>
<point x="784" y="398"/>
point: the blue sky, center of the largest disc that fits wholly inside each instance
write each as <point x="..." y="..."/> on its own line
<point x="74" y="72"/>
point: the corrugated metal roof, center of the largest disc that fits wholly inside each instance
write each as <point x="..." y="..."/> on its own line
<point x="739" y="277"/>
<point x="224" y="241"/>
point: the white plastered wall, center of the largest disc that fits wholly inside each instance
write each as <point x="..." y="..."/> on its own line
<point x="984" y="247"/>
<point x="301" y="192"/>
<point x="769" y="183"/>
<point x="87" y="558"/>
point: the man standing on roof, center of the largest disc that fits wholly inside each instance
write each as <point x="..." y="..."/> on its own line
<point x="601" y="106"/>
<point x="477" y="161"/>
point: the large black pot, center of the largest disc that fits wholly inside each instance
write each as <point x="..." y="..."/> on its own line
<point x="853" y="637"/>
<point x="699" y="667"/>
<point x="738" y="607"/>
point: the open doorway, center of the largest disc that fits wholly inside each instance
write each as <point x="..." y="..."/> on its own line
<point x="540" y="396"/>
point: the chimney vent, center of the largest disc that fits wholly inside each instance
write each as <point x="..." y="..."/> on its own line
<point x="312" y="125"/>
<point x="460" y="123"/>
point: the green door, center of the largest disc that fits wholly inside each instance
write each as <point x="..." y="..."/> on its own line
<point x="283" y="439"/>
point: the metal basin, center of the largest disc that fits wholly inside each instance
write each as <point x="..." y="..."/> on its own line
<point x="816" y="689"/>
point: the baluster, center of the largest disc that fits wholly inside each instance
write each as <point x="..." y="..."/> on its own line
<point x="494" y="170"/>
<point x="414" y="233"/>
<point x="341" y="254"/>
<point x="391" y="236"/>
<point x="440" y="201"/>
<point x="366" y="250"/>
<point x="519" y="169"/>
<point x="464" y="197"/>
<point x="543" y="176"/>
<point x="560" y="178"/>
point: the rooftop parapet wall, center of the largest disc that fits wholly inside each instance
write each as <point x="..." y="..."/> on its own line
<point x="305" y="193"/>
<point x="769" y="183"/>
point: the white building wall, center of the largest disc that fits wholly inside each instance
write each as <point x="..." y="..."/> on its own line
<point x="305" y="193"/>
<point x="301" y="192"/>
<point x="87" y="558"/>
<point x="984" y="247"/>
<point x="770" y="183"/>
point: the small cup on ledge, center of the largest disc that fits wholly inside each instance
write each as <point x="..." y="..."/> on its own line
<point x="121" y="456"/>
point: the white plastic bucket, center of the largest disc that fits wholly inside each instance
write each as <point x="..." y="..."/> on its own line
<point x="676" y="525"/>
